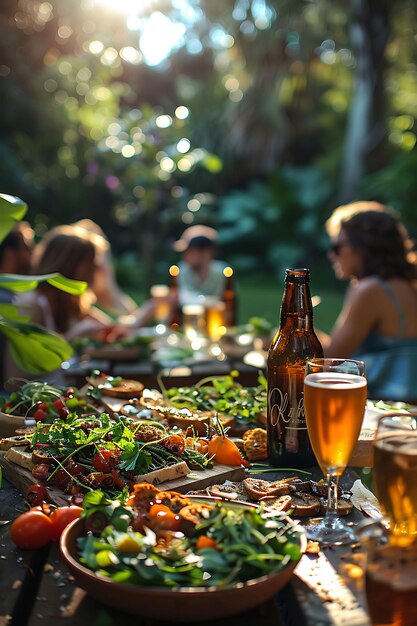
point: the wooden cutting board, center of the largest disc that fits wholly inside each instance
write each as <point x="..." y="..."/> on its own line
<point x="22" y="479"/>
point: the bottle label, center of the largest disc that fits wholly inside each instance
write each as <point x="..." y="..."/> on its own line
<point x="280" y="410"/>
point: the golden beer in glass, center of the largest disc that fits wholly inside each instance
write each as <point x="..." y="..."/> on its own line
<point x="215" y="318"/>
<point x="334" y="404"/>
<point x="391" y="585"/>
<point x="395" y="474"/>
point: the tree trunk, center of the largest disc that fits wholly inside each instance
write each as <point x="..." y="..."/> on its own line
<point x="365" y="130"/>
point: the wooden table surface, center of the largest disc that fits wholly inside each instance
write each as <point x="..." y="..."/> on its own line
<point x="36" y="589"/>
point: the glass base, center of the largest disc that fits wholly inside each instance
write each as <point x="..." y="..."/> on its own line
<point x="330" y="530"/>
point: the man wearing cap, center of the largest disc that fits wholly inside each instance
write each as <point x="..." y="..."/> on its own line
<point x="200" y="274"/>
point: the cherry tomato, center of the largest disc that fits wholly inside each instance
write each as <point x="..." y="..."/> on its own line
<point x="69" y="392"/>
<point x="74" y="468"/>
<point x="61" y="479"/>
<point x="225" y="451"/>
<point x="77" y="498"/>
<point x="43" y="406"/>
<point x="41" y="471"/>
<point x="58" y="404"/>
<point x="61" y="517"/>
<point x="31" y="530"/>
<point x="35" y="494"/>
<point x="206" y="542"/>
<point x="40" y="415"/>
<point x="105" y="460"/>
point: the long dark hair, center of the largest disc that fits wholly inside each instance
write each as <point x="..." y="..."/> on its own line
<point x="380" y="237"/>
<point x="72" y="253"/>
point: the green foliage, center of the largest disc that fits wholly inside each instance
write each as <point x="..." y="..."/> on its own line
<point x="19" y="282"/>
<point x="276" y="221"/>
<point x="33" y="348"/>
<point x="12" y="210"/>
<point x="395" y="185"/>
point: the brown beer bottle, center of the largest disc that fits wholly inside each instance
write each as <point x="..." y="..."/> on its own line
<point x="176" y="317"/>
<point x="229" y="298"/>
<point x="294" y="343"/>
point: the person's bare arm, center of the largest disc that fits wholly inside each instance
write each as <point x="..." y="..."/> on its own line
<point x="359" y="317"/>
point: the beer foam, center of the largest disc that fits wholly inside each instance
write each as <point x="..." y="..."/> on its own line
<point x="332" y="380"/>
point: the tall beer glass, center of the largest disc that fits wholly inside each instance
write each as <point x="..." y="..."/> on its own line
<point x="395" y="474"/>
<point x="334" y="403"/>
<point x="391" y="584"/>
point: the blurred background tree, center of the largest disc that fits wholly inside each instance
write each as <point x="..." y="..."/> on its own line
<point x="255" y="116"/>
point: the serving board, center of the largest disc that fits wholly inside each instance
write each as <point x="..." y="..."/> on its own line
<point x="22" y="479"/>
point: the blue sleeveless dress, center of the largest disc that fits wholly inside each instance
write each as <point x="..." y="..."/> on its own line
<point x="390" y="362"/>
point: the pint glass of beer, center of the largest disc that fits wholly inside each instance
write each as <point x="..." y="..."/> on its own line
<point x="391" y="584"/>
<point x="395" y="474"/>
<point x="215" y="318"/>
<point x="160" y="295"/>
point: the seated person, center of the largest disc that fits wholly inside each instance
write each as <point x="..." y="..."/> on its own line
<point x="378" y="323"/>
<point x="109" y="296"/>
<point x="200" y="273"/>
<point x="73" y="253"/>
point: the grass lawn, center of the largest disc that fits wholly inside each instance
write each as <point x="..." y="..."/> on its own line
<point x="261" y="296"/>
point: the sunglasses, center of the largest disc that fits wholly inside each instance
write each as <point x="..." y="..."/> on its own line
<point x="336" y="247"/>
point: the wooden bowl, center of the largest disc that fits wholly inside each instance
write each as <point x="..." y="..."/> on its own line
<point x="187" y="604"/>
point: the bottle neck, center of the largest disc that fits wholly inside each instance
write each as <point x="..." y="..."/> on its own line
<point x="296" y="306"/>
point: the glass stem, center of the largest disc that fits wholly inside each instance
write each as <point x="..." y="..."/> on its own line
<point x="332" y="491"/>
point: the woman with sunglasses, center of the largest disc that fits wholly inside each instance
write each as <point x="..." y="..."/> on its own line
<point x="378" y="323"/>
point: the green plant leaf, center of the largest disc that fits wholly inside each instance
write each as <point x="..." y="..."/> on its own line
<point x="33" y="348"/>
<point x="16" y="282"/>
<point x="12" y="210"/>
<point x="10" y="312"/>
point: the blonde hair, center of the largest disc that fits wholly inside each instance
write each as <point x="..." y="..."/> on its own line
<point x="344" y="212"/>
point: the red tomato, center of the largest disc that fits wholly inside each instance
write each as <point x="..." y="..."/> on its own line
<point x="106" y="460"/>
<point x="59" y="404"/>
<point x="61" y="517"/>
<point x="31" y="530"/>
<point x="225" y="451"/>
<point x="41" y="471"/>
<point x="61" y="479"/>
<point x="40" y="415"/>
<point x="77" y="498"/>
<point x="74" y="468"/>
<point x="35" y="494"/>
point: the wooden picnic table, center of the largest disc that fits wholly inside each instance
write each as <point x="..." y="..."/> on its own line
<point x="36" y="589"/>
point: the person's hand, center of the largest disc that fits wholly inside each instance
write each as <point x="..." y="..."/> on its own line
<point x="87" y="327"/>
